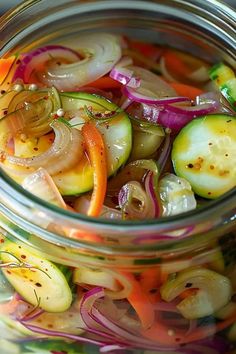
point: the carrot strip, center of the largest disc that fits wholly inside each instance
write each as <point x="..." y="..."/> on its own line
<point x="139" y="300"/>
<point x="188" y="292"/>
<point x="186" y="90"/>
<point x="85" y="236"/>
<point x="165" y="335"/>
<point x="96" y="151"/>
<point x="147" y="49"/>
<point x="207" y="331"/>
<point x="106" y="82"/>
<point x="5" y="67"/>
<point x="9" y="307"/>
<point x="150" y="282"/>
<point x="176" y="64"/>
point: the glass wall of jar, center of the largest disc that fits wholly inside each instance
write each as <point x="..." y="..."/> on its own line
<point x="153" y="286"/>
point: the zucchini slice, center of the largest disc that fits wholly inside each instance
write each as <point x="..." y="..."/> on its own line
<point x="204" y="152"/>
<point x="42" y="284"/>
<point x="224" y="78"/>
<point x="116" y="132"/>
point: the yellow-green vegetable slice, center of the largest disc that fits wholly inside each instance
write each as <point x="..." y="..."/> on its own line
<point x="204" y="153"/>
<point x="40" y="282"/>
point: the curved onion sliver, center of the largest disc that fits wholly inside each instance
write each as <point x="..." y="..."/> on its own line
<point x="32" y="119"/>
<point x="135" y="202"/>
<point x="152" y="87"/>
<point x="204" y="302"/>
<point x="41" y="184"/>
<point x="82" y="204"/>
<point x="66" y="150"/>
<point x="102" y="51"/>
<point x="176" y="195"/>
<point x="38" y="56"/>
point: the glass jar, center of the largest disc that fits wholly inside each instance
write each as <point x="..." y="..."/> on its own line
<point x="136" y="273"/>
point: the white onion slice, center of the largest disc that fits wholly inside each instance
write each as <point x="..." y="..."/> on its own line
<point x="82" y="204"/>
<point x="32" y="118"/>
<point x="133" y="95"/>
<point x="66" y="150"/>
<point x="176" y="195"/>
<point x="101" y="50"/>
<point x="165" y="73"/>
<point x="199" y="75"/>
<point x="41" y="184"/>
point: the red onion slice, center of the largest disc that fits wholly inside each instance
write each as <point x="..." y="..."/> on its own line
<point x="124" y="74"/>
<point x="60" y="334"/>
<point x="176" y="117"/>
<point x="134" y="201"/>
<point x="151" y="192"/>
<point x="152" y="87"/>
<point x="141" y="98"/>
<point x="41" y="55"/>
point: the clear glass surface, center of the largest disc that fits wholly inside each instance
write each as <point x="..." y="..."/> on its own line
<point x="205" y="28"/>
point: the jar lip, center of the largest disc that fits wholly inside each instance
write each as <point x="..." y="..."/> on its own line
<point x="188" y="218"/>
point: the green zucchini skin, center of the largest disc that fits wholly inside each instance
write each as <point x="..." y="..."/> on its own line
<point x="224" y="78"/>
<point x="115" y="130"/>
<point x="117" y="135"/>
<point x="40" y="284"/>
<point x="204" y="153"/>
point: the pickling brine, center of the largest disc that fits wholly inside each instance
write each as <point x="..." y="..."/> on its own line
<point x="116" y="129"/>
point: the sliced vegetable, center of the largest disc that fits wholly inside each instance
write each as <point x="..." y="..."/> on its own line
<point x="40" y="58"/>
<point x="140" y="302"/>
<point x="96" y="277"/>
<point x="65" y="151"/>
<point x="103" y="83"/>
<point x="182" y="66"/>
<point x="116" y="133"/>
<point x="204" y="154"/>
<point x="100" y="52"/>
<point x="204" y="302"/>
<point x="186" y="90"/>
<point x="124" y="75"/>
<point x="153" y="89"/>
<point x="41" y="284"/>
<point x="176" y="195"/>
<point x="41" y="184"/>
<point x="225" y="79"/>
<point x="66" y="321"/>
<point x="7" y="68"/>
<point x="95" y="148"/>
<point x="31" y="118"/>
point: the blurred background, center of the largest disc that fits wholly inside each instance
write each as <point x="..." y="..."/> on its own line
<point x="6" y="4"/>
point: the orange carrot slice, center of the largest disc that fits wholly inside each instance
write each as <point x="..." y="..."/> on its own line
<point x="5" y="67"/>
<point x="106" y="82"/>
<point x="96" y="150"/>
<point x="186" y="90"/>
<point x="140" y="302"/>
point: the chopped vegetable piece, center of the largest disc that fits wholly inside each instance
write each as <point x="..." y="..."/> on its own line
<point x="40" y="283"/>
<point x="204" y="302"/>
<point x="204" y="154"/>
<point x="225" y="79"/>
<point x="96" y="151"/>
